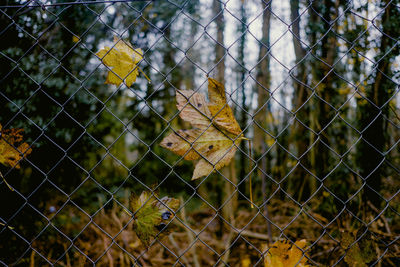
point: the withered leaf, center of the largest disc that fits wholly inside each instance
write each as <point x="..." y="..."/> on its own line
<point x="220" y="110"/>
<point x="216" y="135"/>
<point x="285" y="254"/>
<point x="151" y="215"/>
<point x="360" y="253"/>
<point x="12" y="149"/>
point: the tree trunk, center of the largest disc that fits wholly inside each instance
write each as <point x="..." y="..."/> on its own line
<point x="372" y="122"/>
<point x="260" y="118"/>
<point x="172" y="81"/>
<point x="219" y="46"/>
<point x="326" y="91"/>
<point x="244" y="163"/>
<point x="189" y="68"/>
<point x="299" y="134"/>
<point x="225" y="187"/>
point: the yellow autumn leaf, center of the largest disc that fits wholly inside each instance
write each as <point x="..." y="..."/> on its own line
<point x="11" y="148"/>
<point x="246" y="262"/>
<point x="220" y="110"/>
<point x="344" y="91"/>
<point x="75" y="39"/>
<point x="285" y="254"/>
<point x="216" y="136"/>
<point x="122" y="58"/>
<point x="270" y="141"/>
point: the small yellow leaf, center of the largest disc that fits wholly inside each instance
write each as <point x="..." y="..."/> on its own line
<point x="75" y="39"/>
<point x="344" y="91"/>
<point x="123" y="60"/>
<point x="270" y="141"/>
<point x="326" y="194"/>
<point x="246" y="262"/>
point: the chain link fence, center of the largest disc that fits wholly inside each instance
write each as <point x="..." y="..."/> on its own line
<point x="314" y="86"/>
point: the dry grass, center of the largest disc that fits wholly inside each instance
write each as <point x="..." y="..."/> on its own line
<point x="196" y="239"/>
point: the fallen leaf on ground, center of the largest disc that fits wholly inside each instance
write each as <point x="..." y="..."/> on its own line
<point x="285" y="254"/>
<point x="360" y="253"/>
<point x="216" y="135"/>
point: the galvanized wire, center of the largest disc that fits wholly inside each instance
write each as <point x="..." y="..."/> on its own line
<point x="14" y="11"/>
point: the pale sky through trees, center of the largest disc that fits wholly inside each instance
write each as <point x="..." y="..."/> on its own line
<point x="282" y="57"/>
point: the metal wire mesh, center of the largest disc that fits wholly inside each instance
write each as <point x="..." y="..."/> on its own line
<point x="323" y="121"/>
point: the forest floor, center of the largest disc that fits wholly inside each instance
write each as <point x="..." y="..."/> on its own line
<point x="202" y="238"/>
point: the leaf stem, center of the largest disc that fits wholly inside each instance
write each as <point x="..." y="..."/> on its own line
<point x="250" y="182"/>
<point x="8" y="185"/>
<point x="148" y="79"/>
<point x="124" y="209"/>
<point x="9" y="227"/>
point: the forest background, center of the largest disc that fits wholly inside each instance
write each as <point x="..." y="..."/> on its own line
<point x="313" y="84"/>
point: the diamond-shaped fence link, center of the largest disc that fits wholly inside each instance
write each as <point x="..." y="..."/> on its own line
<point x="314" y="86"/>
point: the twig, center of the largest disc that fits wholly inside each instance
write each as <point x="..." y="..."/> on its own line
<point x="120" y="226"/>
<point x="394" y="111"/>
<point x="148" y="79"/>
<point x="263" y="190"/>
<point x="173" y="242"/>
<point x="301" y="190"/>
<point x="189" y="234"/>
<point x="250" y="183"/>
<point x="32" y="259"/>
<point x="8" y="185"/>
<point x="109" y="256"/>
<point x="225" y="258"/>
<point x="231" y="208"/>
<point x="122" y="259"/>
<point x="383" y="217"/>
<point x="323" y="252"/>
<point x="385" y="222"/>
<point x="255" y="235"/>
<point x="67" y="255"/>
<point x="9" y="227"/>
<point x="378" y="253"/>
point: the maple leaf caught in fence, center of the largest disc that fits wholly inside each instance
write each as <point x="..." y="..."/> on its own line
<point x="12" y="151"/>
<point x="151" y="215"/>
<point x="122" y="58"/>
<point x="216" y="135"/>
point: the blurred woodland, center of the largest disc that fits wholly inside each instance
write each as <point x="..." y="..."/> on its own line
<point x="313" y="84"/>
